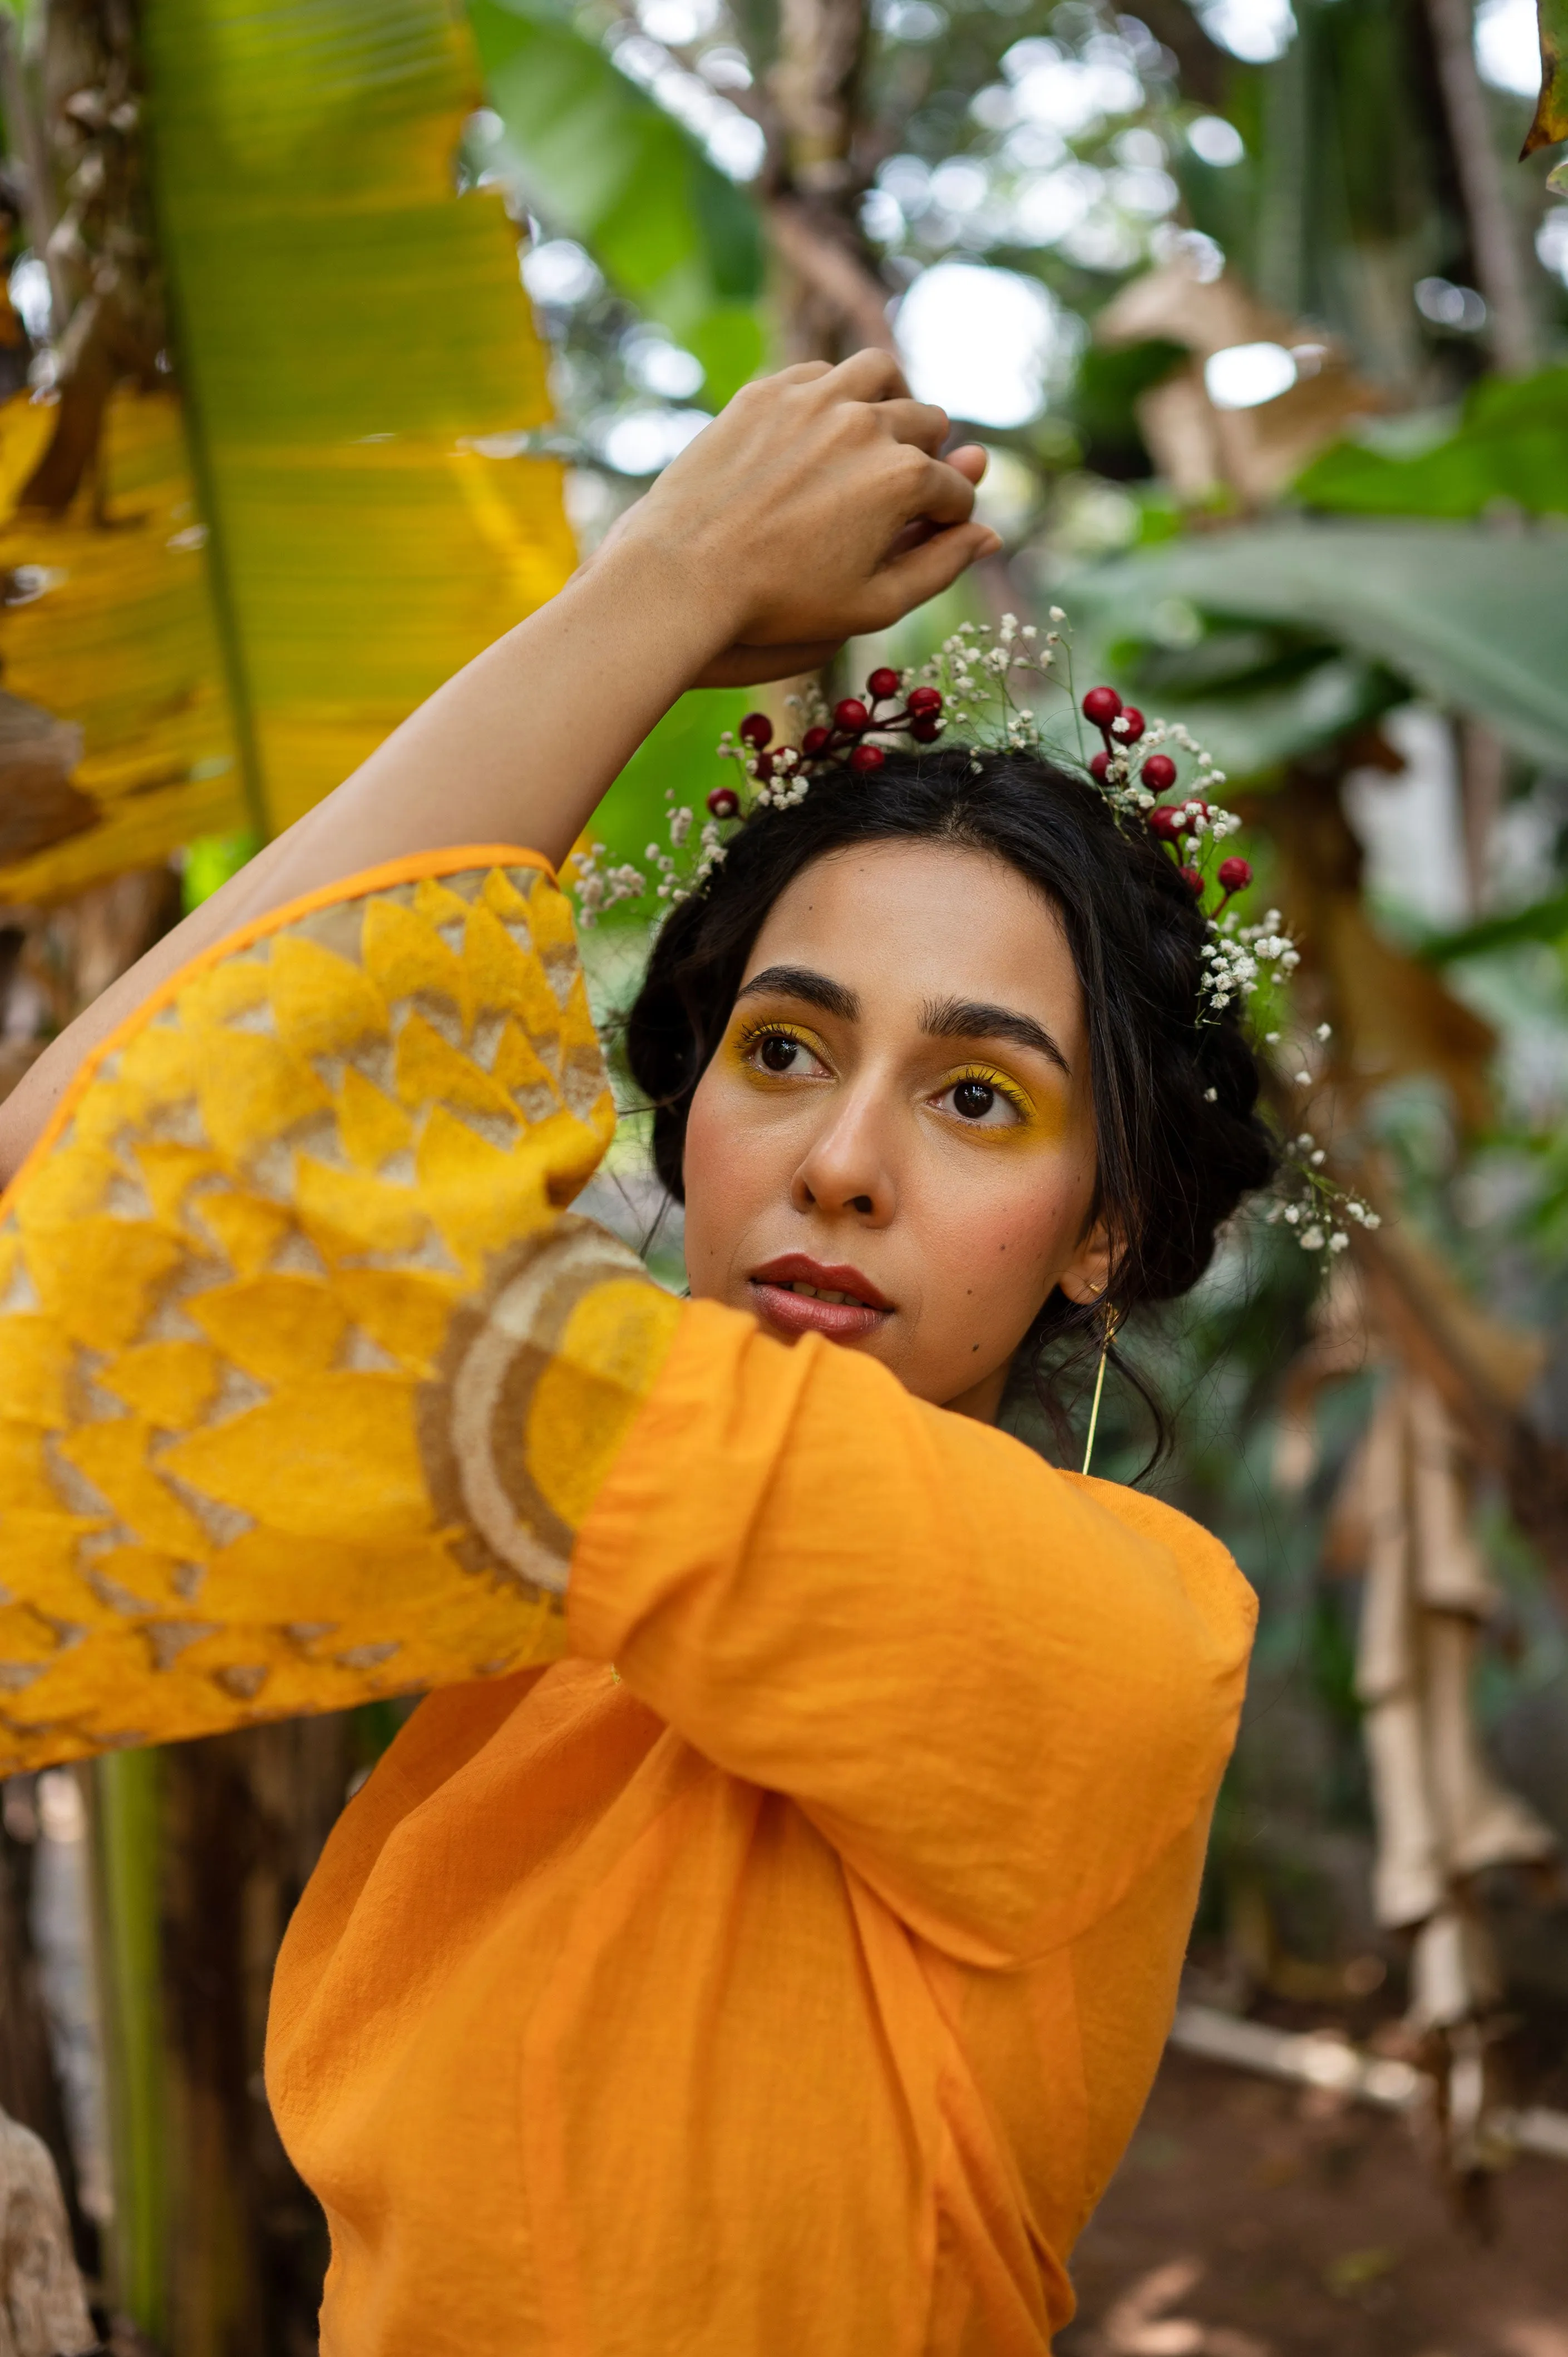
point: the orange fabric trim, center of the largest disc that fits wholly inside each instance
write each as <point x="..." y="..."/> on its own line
<point x="453" y="860"/>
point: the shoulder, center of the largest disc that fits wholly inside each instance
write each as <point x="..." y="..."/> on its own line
<point x="1204" y="1565"/>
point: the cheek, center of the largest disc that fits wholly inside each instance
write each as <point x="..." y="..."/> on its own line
<point x="1006" y="1234"/>
<point x="728" y="1168"/>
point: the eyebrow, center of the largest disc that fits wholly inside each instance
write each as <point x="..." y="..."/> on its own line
<point x="973" y="1019"/>
<point x="944" y="1019"/>
<point x="800" y="981"/>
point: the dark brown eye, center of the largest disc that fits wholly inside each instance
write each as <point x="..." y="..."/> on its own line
<point x="974" y="1099"/>
<point x="776" y="1052"/>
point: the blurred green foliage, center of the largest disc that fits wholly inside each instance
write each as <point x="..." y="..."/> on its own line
<point x="608" y="165"/>
<point x="1511" y="448"/>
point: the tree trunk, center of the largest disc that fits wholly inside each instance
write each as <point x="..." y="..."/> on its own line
<point x="43" y="2309"/>
<point x="834" y="300"/>
<point x="1494" y="229"/>
<point x="30" y="2091"/>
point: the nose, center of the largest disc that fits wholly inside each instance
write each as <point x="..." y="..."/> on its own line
<point x="848" y="1167"/>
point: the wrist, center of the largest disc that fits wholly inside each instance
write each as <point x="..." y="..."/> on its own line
<point x="644" y="583"/>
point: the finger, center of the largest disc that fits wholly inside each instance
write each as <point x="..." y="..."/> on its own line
<point x="870" y="375"/>
<point x="920" y="423"/>
<point x="912" y="536"/>
<point x="942" y="495"/>
<point x="749" y="666"/>
<point x="925" y="572"/>
<point x="798" y="372"/>
<point x="971" y="461"/>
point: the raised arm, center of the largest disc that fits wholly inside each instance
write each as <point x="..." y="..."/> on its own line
<point x="815" y="507"/>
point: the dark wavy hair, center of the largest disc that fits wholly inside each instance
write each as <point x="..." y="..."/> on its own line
<point x="1180" y="1139"/>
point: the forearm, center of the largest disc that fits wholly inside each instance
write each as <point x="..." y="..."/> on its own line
<point x="784" y="529"/>
<point x="998" y="1691"/>
<point x="518" y="749"/>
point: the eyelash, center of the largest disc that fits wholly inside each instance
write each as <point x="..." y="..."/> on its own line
<point x="754" y="1034"/>
<point x="991" y="1078"/>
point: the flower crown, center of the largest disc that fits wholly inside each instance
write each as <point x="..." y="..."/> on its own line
<point x="970" y="683"/>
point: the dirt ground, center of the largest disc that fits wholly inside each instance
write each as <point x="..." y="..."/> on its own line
<point x="1255" y="2220"/>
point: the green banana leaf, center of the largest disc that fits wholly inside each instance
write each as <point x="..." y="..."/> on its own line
<point x="1542" y="921"/>
<point x="1366" y="612"/>
<point x="285" y="555"/>
<point x="676" y="766"/>
<point x="1512" y="444"/>
<point x="604" y="161"/>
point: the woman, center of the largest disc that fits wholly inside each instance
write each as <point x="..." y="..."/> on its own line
<point x="787" y="1967"/>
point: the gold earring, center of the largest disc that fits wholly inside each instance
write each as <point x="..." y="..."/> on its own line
<point x="1107" y="1336"/>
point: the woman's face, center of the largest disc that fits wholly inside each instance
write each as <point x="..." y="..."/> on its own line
<point x="899" y="1112"/>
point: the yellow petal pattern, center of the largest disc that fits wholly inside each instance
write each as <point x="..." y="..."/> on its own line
<point x="304" y="1390"/>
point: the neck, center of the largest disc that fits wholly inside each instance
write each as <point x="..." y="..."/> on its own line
<point x="983" y="1401"/>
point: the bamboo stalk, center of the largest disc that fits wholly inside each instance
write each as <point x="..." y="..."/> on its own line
<point x="126" y="1792"/>
<point x="1326" y="2058"/>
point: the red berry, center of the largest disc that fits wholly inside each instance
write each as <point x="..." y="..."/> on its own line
<point x="924" y="701"/>
<point x="762" y="767"/>
<point x="867" y="756"/>
<point x="925" y="728"/>
<point x="1166" y="822"/>
<point x="1235" y="874"/>
<point x="756" y="729"/>
<point x="883" y="684"/>
<point x="724" y="803"/>
<point x="1099" y="767"/>
<point x="814" y="741"/>
<point x="1132" y="725"/>
<point x="851" y="716"/>
<point x="1101" y="704"/>
<point x="1192" y="878"/>
<point x="1158" y="773"/>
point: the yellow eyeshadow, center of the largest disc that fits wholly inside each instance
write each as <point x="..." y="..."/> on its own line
<point x="1039" y="1123"/>
<point x="744" y="1037"/>
<point x="1003" y="1082"/>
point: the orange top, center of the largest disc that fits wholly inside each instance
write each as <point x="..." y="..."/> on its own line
<point x="801" y="1990"/>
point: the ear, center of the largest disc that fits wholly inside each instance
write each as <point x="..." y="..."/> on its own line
<point x="1087" y="1273"/>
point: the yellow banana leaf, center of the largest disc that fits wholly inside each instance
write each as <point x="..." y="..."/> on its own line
<point x="272" y="567"/>
<point x="116" y="636"/>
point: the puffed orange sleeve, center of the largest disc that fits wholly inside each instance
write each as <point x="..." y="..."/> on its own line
<point x="1000" y="1691"/>
<point x="305" y="1376"/>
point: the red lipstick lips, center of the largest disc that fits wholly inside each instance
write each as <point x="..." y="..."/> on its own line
<point x="789" y="1293"/>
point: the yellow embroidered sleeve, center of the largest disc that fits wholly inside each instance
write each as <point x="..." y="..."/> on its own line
<point x="305" y="1380"/>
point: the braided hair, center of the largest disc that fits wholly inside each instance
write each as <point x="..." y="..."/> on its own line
<point x="1180" y="1140"/>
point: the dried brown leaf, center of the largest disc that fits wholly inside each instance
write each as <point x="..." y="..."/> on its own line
<point x="1550" y="120"/>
